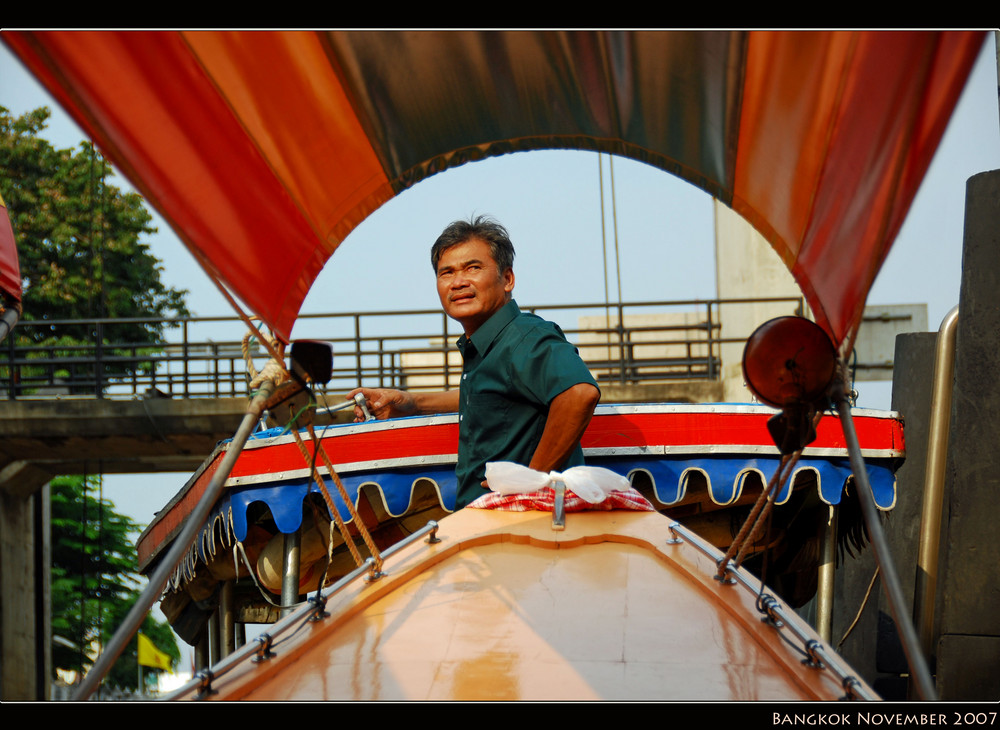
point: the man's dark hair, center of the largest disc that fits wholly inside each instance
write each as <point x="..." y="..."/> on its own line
<point x="485" y="229"/>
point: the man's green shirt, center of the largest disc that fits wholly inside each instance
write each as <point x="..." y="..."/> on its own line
<point x="514" y="365"/>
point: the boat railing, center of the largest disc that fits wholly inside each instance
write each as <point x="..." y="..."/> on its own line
<point x="305" y="611"/>
<point x="202" y="357"/>
<point x="784" y="620"/>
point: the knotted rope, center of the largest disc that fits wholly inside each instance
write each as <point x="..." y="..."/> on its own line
<point x="274" y="370"/>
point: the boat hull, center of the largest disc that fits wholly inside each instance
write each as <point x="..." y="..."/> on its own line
<point x="504" y="607"/>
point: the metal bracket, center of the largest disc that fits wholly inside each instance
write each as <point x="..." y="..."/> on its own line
<point x="675" y="538"/>
<point x="812" y="655"/>
<point x="433" y="539"/>
<point x="264" y="650"/>
<point x="767" y="605"/>
<point x="559" y="506"/>
<point x="727" y="579"/>
<point x="320" y="612"/>
<point x="205" y="678"/>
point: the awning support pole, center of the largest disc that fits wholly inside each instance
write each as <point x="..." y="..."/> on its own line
<point x="227" y="618"/>
<point x="178" y="550"/>
<point x="827" y="565"/>
<point x="290" y="573"/>
<point x="880" y="547"/>
<point x="925" y="586"/>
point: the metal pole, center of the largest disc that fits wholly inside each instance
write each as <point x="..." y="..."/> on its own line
<point x="357" y="345"/>
<point x="621" y="344"/>
<point x="444" y="350"/>
<point x="880" y="547"/>
<point x="827" y="566"/>
<point x="227" y="620"/>
<point x="178" y="550"/>
<point x="187" y="354"/>
<point x="98" y="365"/>
<point x="290" y="573"/>
<point x="214" y="652"/>
<point x="11" y="354"/>
<point x="925" y="586"/>
<point x="202" y="658"/>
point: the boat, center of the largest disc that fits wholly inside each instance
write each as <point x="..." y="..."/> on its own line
<point x="700" y="462"/>
<point x="820" y="140"/>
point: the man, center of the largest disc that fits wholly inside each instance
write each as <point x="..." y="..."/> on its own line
<point x="525" y="394"/>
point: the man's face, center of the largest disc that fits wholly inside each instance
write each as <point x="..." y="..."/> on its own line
<point x="470" y="284"/>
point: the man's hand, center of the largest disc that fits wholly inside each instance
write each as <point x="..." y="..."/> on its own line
<point x="388" y="403"/>
<point x="384" y="403"/>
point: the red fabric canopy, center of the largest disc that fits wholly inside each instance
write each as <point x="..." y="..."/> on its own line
<point x="265" y="149"/>
<point x="10" y="267"/>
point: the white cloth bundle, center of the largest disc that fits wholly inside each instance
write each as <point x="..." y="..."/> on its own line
<point x="590" y="483"/>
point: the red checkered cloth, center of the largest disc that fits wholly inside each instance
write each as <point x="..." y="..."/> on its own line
<point x="543" y="500"/>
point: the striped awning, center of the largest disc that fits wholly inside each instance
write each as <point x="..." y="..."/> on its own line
<point x="398" y="464"/>
<point x="265" y="149"/>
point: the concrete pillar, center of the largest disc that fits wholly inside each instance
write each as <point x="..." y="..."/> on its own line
<point x="24" y="572"/>
<point x="968" y="656"/>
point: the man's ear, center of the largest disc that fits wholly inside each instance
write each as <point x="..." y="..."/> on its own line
<point x="508" y="281"/>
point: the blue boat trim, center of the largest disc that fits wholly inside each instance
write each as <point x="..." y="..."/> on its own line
<point x="725" y="477"/>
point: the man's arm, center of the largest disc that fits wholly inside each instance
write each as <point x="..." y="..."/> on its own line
<point x="387" y="403"/>
<point x="569" y="414"/>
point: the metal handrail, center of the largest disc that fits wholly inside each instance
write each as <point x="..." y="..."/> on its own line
<point x="371" y="348"/>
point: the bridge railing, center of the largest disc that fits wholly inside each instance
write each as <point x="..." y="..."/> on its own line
<point x="636" y="342"/>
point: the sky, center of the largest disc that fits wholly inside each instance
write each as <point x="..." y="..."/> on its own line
<point x="550" y="203"/>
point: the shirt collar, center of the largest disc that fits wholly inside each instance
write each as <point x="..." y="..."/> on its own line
<point x="483" y="337"/>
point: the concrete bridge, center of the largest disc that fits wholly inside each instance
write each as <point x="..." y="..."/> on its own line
<point x="41" y="439"/>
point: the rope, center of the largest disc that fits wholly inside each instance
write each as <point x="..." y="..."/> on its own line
<point x="274" y="370"/>
<point x="762" y="507"/>
<point x="861" y="608"/>
<point x="750" y="525"/>
<point x="239" y="551"/>
<point x="314" y="473"/>
<point x="358" y="522"/>
<point x="782" y="473"/>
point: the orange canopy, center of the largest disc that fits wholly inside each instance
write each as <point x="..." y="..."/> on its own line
<point x="265" y="149"/>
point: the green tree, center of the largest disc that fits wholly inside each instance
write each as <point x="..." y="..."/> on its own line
<point x="80" y="243"/>
<point x="95" y="581"/>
